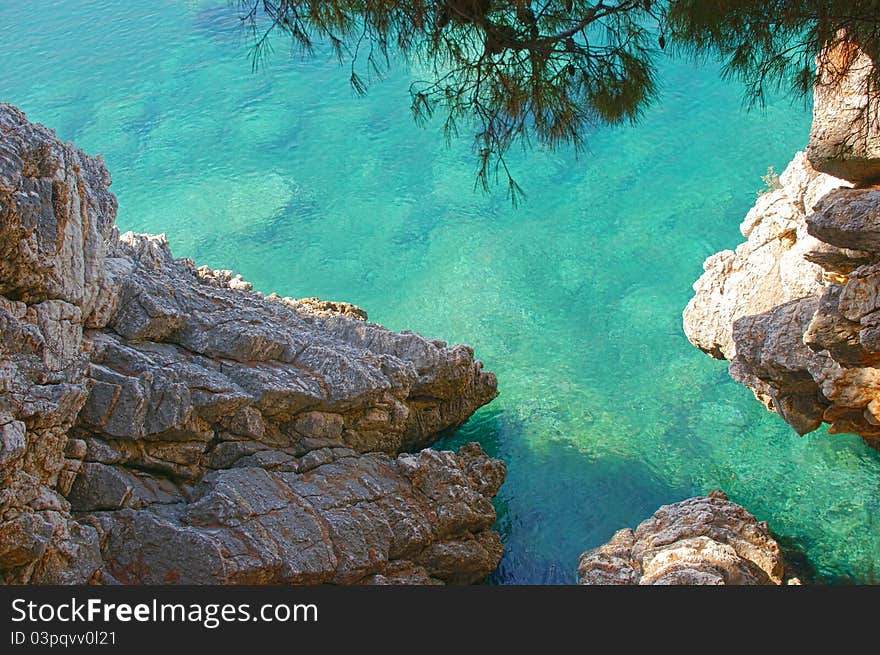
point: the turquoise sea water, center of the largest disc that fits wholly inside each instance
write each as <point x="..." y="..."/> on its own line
<point x="573" y="299"/>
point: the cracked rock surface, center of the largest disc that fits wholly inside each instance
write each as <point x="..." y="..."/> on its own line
<point x="162" y="423"/>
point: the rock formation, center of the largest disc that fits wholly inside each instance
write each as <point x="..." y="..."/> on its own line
<point x="773" y="266"/>
<point x="162" y="423"/>
<point x="845" y="137"/>
<point x="796" y="309"/>
<point x="706" y="540"/>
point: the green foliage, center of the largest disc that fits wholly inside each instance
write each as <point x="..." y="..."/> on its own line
<point x="773" y="45"/>
<point x="545" y="72"/>
<point x="771" y="182"/>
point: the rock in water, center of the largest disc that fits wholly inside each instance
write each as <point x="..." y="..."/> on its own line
<point x="162" y="423"/>
<point x="706" y="540"/>
<point x="796" y="308"/>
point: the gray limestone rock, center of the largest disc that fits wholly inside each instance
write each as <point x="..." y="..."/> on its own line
<point x="162" y="423"/>
<point x="848" y="218"/>
<point x="772" y="267"/>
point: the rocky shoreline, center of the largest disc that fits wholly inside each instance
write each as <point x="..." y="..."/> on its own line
<point x="162" y="423"/>
<point x="165" y="424"/>
<point x="796" y="308"/>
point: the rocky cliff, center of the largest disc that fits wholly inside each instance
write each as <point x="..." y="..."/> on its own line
<point x="796" y="308"/>
<point x="162" y="423"/>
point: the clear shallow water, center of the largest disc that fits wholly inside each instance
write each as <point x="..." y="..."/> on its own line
<point x="574" y="299"/>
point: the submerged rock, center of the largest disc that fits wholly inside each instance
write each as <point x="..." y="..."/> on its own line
<point x="706" y="540"/>
<point x="164" y="423"/>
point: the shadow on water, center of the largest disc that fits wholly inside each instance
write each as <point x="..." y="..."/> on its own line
<point x="799" y="564"/>
<point x="220" y="23"/>
<point x="558" y="501"/>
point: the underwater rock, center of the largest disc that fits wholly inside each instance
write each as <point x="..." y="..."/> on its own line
<point x="162" y="423"/>
<point x="706" y="540"/>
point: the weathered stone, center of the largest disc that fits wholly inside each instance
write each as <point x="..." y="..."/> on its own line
<point x="327" y="308"/>
<point x="845" y="137"/>
<point x="12" y="444"/>
<point x="772" y="355"/>
<point x="55" y="214"/>
<point x="342" y="522"/>
<point x="706" y="540"/>
<point x="808" y="351"/>
<point x="402" y="573"/>
<point x="833" y="332"/>
<point x="611" y="563"/>
<point x="848" y="218"/>
<point x="100" y="487"/>
<point x="319" y="425"/>
<point x="836" y="262"/>
<point x="204" y="433"/>
<point x="769" y="269"/>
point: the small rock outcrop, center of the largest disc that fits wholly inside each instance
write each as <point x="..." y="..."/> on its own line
<point x="162" y="423"/>
<point x="796" y="308"/>
<point x="706" y="540"/>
